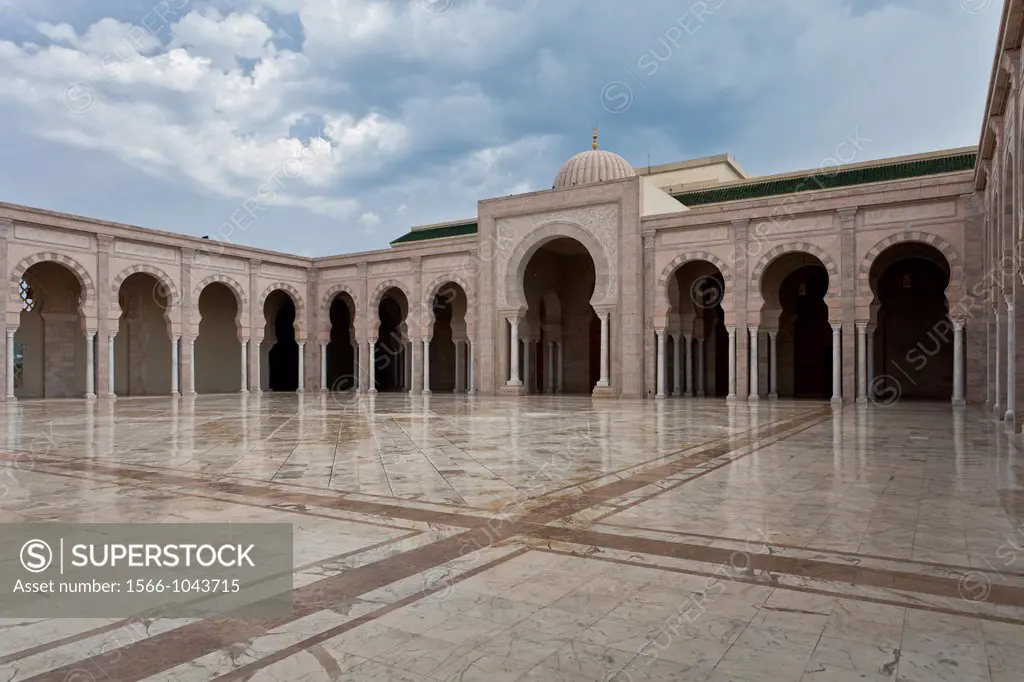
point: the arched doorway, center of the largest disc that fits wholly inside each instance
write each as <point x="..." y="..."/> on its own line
<point x="279" y="346"/>
<point x="912" y="342"/>
<point x="794" y="286"/>
<point x="341" y="350"/>
<point x="392" y="369"/>
<point x="561" y="335"/>
<point x="697" y="347"/>
<point x="449" y="341"/>
<point x="218" y="348"/>
<point x="50" y="345"/>
<point x="142" y="347"/>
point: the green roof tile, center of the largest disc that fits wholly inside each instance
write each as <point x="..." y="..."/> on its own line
<point x="459" y="230"/>
<point x="826" y="180"/>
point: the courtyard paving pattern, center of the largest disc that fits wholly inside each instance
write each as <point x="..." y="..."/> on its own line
<point x="556" y="539"/>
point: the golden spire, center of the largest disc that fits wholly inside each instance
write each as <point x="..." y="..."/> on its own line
<point x="595" y="138"/>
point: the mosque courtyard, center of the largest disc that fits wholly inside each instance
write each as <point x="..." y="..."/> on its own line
<point x="546" y="537"/>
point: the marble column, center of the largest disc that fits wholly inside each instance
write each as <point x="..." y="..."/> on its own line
<point x="862" y="362"/>
<point x="529" y="371"/>
<point x="257" y="361"/>
<point x="302" y="368"/>
<point x="323" y="365"/>
<point x="869" y="393"/>
<point x="560" y="375"/>
<point x="730" y="330"/>
<point x="90" y="367"/>
<point x="371" y="382"/>
<point x="603" y="382"/>
<point x="191" y="388"/>
<point x="426" y="367"/>
<point x="700" y="367"/>
<point x="9" y="363"/>
<point x="1011" y="363"/>
<point x="677" y="366"/>
<point x="773" y="368"/>
<point x="471" y="376"/>
<point x="460" y="358"/>
<point x="513" y="352"/>
<point x="688" y="364"/>
<point x="175" y="364"/>
<point x="958" y="363"/>
<point x="661" y="364"/>
<point x="997" y="407"/>
<point x="754" y="364"/>
<point x="549" y="368"/>
<point x="837" y="362"/>
<point x="110" y="366"/>
<point x="245" y="365"/>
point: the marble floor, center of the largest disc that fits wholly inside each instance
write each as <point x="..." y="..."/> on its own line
<point x="547" y="538"/>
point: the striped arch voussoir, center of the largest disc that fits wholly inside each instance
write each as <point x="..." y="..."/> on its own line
<point x="170" y="291"/>
<point x="948" y="251"/>
<point x="690" y="257"/>
<point x="81" y="274"/>
<point x="798" y="247"/>
<point x="236" y="289"/>
<point x="334" y="292"/>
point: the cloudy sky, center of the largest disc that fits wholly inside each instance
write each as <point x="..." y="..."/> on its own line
<point x="341" y="123"/>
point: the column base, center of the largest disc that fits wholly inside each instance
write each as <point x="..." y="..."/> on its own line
<point x="1009" y="416"/>
<point x="508" y="389"/>
<point x="372" y="391"/>
<point x="997" y="410"/>
<point x="300" y="390"/>
<point x="174" y="394"/>
<point x="11" y="398"/>
<point x="862" y="400"/>
<point x="245" y="391"/>
<point x="958" y="402"/>
<point x="836" y="400"/>
<point x="603" y="392"/>
<point x="700" y="394"/>
<point x="426" y="391"/>
<point x="191" y="394"/>
<point x="110" y="396"/>
<point x="92" y="396"/>
<point x="659" y="396"/>
<point x="753" y="398"/>
<point x="731" y="398"/>
<point x="773" y="396"/>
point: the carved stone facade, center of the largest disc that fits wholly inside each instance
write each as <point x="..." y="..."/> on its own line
<point x="747" y="294"/>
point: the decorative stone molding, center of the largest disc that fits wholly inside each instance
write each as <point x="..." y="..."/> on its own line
<point x="300" y="304"/>
<point x="1010" y="63"/>
<point x="798" y="247"/>
<point x="435" y="286"/>
<point x="381" y="288"/>
<point x="237" y="289"/>
<point x="188" y="255"/>
<point x="956" y="265"/>
<point x="847" y="216"/>
<point x="84" y="280"/>
<point x="596" y="227"/>
<point x="164" y="283"/>
<point x="689" y="257"/>
<point x="105" y="242"/>
<point x="333" y="292"/>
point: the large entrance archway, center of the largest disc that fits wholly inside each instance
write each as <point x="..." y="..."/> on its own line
<point x="449" y="340"/>
<point x="912" y="343"/>
<point x="392" y="369"/>
<point x="50" y="345"/>
<point x="142" y="347"/>
<point x="697" y="347"/>
<point x="560" y="336"/>
<point x="279" y="351"/>
<point x="342" y="351"/>
<point x="794" y="286"/>
<point x="218" y="348"/>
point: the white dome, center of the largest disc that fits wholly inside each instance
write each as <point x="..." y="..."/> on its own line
<point x="595" y="165"/>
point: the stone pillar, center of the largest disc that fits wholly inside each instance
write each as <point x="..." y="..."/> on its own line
<point x="677" y="366"/>
<point x="958" y="363"/>
<point x="323" y="365"/>
<point x="256" y="360"/>
<point x="730" y="330"/>
<point x="688" y="364"/>
<point x="700" y="367"/>
<point x="561" y="367"/>
<point x="426" y="367"/>
<point x="302" y="368"/>
<point x="6" y="230"/>
<point x="110" y="365"/>
<point x="869" y="393"/>
<point x="1011" y="362"/>
<point x="175" y="365"/>
<point x="603" y="381"/>
<point x="741" y="274"/>
<point x="997" y="406"/>
<point x="245" y="365"/>
<point x="416" y="359"/>
<point x="847" y="219"/>
<point x="661" y="370"/>
<point x="754" y="368"/>
<point x="471" y="383"/>
<point x="460" y="359"/>
<point x="549" y="368"/>
<point x="513" y="352"/>
<point x="837" y="362"/>
<point x="191" y="388"/>
<point x="372" y="366"/>
<point x="90" y="366"/>
<point x="862" y="362"/>
<point x="9" y="364"/>
<point x="105" y="317"/>
<point x="773" y="368"/>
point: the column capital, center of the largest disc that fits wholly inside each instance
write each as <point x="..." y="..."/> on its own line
<point x="648" y="238"/>
<point x="741" y="223"/>
<point x="730" y="328"/>
<point x="90" y="334"/>
<point x="836" y="327"/>
<point x="660" y="332"/>
<point x="772" y="333"/>
<point x="1010" y="63"/>
<point x="752" y="328"/>
<point x="104" y="241"/>
<point x="254" y="265"/>
<point x="847" y="216"/>
<point x="176" y="337"/>
<point x="959" y="324"/>
<point x="6" y="227"/>
<point x="188" y="255"/>
<point x="862" y="327"/>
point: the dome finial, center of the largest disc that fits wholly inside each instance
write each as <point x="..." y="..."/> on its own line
<point x="595" y="138"/>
